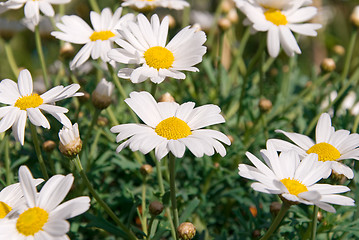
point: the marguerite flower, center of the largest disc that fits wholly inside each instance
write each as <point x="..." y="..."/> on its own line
<point x="330" y="145"/>
<point x="44" y="217"/>
<point x="147" y="5"/>
<point x="279" y="18"/>
<point x="11" y="197"/>
<point x="98" y="41"/>
<point x="23" y="102"/>
<point x="293" y="179"/>
<point x="171" y="127"/>
<point x="70" y="141"/>
<point x="144" y="43"/>
<point x="32" y="8"/>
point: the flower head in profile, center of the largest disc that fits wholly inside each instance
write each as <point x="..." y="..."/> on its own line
<point x="70" y="141"/>
<point x="144" y="43"/>
<point x="23" y="102"/>
<point x="171" y="127"/>
<point x="330" y="145"/>
<point x="101" y="96"/>
<point x="42" y="216"/>
<point x="293" y="179"/>
<point x="148" y="5"/>
<point x="98" y="41"/>
<point x="11" y="198"/>
<point x="32" y="8"/>
<point x="279" y="18"/>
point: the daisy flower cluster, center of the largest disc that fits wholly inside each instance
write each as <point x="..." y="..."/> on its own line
<point x="294" y="173"/>
<point x="279" y="18"/>
<point x="28" y="214"/>
<point x="148" y="5"/>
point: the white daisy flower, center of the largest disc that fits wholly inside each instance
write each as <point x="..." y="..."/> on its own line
<point x="279" y="18"/>
<point x="144" y="43"/>
<point x="70" y="141"/>
<point x="330" y="145"/>
<point x="171" y="127"/>
<point x="101" y="96"/>
<point x="44" y="217"/>
<point x="32" y="8"/>
<point x="98" y="41"/>
<point x="23" y="102"/>
<point x="148" y="5"/>
<point x="293" y="179"/>
<point x="11" y="197"/>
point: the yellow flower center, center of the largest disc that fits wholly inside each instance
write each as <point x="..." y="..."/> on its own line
<point x="4" y="209"/>
<point x="325" y="151"/>
<point x="31" y="221"/>
<point x="276" y="17"/>
<point x="173" y="128"/>
<point x="159" y="57"/>
<point x="101" y="35"/>
<point x="294" y="186"/>
<point x="30" y="101"/>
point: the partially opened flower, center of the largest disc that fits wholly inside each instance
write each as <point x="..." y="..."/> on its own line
<point x="171" y="127"/>
<point x="144" y="43"/>
<point x="43" y="217"/>
<point x="70" y="141"/>
<point x="147" y="5"/>
<point x="11" y="198"/>
<point x="98" y="41"/>
<point x="279" y="18"/>
<point x="293" y="179"/>
<point x="32" y="8"/>
<point x="23" y="102"/>
<point x="330" y="145"/>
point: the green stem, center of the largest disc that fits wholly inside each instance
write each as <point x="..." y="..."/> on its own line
<point x="111" y="115"/>
<point x="7" y="160"/>
<point x="314" y="222"/>
<point x="144" y="212"/>
<point x="150" y="227"/>
<point x="154" y="89"/>
<point x="38" y="151"/>
<point x="41" y="56"/>
<point x="94" y="6"/>
<point x="11" y="59"/>
<point x="277" y="220"/>
<point x="355" y="124"/>
<point x="349" y="55"/>
<point x="172" y="170"/>
<point x="88" y="135"/>
<point x="77" y="163"/>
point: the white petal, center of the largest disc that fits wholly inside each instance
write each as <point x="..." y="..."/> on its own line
<point x="71" y="208"/>
<point x="27" y="185"/>
<point x="25" y="83"/>
<point x="323" y="130"/>
<point x="37" y="118"/>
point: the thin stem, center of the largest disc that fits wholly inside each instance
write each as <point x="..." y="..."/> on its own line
<point x="349" y="55"/>
<point x="94" y="6"/>
<point x="88" y="135"/>
<point x="150" y="227"/>
<point x="154" y="89"/>
<point x="38" y="151"/>
<point x="314" y="222"/>
<point x="11" y="59"/>
<point x="7" y="159"/>
<point x="172" y="170"/>
<point x="41" y="56"/>
<point x="277" y="220"/>
<point x="144" y="212"/>
<point x="355" y="124"/>
<point x="77" y="163"/>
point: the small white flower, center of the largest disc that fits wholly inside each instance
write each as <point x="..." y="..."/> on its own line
<point x="171" y="127"/>
<point x="43" y="217"/>
<point x="11" y="198"/>
<point x="293" y="179"/>
<point x="70" y="141"/>
<point x="23" y="102"/>
<point x="330" y="145"/>
<point x="147" y="5"/>
<point x="279" y="18"/>
<point x="101" y="96"/>
<point x="32" y="8"/>
<point x="144" y="43"/>
<point x="98" y="41"/>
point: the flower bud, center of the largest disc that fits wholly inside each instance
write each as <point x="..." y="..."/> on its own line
<point x="328" y="65"/>
<point x="67" y="50"/>
<point x="171" y="21"/>
<point x="146" y="169"/>
<point x="84" y="98"/>
<point x="256" y="233"/>
<point x="70" y="142"/>
<point x="231" y="138"/>
<point x="49" y="146"/>
<point x="186" y="231"/>
<point x="233" y="15"/>
<point x="102" y="121"/>
<point x="253" y="211"/>
<point x="167" y="97"/>
<point x="227" y="5"/>
<point x="224" y="23"/>
<point x="265" y="105"/>
<point x="338" y="49"/>
<point x="101" y="97"/>
<point x="155" y="208"/>
<point x="354" y="17"/>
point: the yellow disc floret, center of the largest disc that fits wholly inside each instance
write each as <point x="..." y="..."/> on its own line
<point x="31" y="221"/>
<point x="101" y="35"/>
<point x="325" y="151"/>
<point x="30" y="101"/>
<point x="294" y="186"/>
<point x="276" y="17"/>
<point x="4" y="209"/>
<point x="173" y="128"/>
<point x="159" y="57"/>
